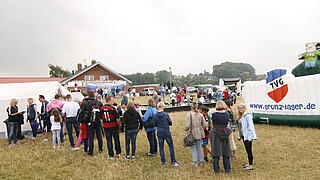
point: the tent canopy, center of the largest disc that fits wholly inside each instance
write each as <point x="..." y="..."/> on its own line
<point x="23" y="91"/>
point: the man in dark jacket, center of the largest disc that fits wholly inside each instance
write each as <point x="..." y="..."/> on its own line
<point x="90" y="115"/>
<point x="162" y="122"/>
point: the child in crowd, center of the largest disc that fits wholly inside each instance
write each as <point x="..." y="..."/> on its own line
<point x="83" y="138"/>
<point x="232" y="125"/>
<point x="32" y="117"/>
<point x="162" y="122"/>
<point x="179" y="98"/>
<point x="56" y="120"/>
<point x="205" y="141"/>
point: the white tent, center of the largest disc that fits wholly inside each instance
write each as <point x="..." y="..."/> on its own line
<point x="23" y="91"/>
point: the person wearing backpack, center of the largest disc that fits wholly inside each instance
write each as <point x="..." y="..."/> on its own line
<point x="131" y="123"/>
<point x="91" y="116"/>
<point x="149" y="127"/>
<point x="32" y="116"/>
<point x="110" y="117"/>
<point x="163" y="122"/>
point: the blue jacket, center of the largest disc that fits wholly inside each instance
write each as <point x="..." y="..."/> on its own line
<point x="247" y="130"/>
<point x="162" y="122"/>
<point x="149" y="113"/>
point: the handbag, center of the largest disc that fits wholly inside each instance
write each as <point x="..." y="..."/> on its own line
<point x="149" y="123"/>
<point x="189" y="139"/>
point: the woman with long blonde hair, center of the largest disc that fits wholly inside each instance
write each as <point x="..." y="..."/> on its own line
<point x="247" y="133"/>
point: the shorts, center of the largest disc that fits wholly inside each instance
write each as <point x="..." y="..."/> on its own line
<point x="233" y="146"/>
<point x="204" y="142"/>
<point x="310" y="64"/>
<point x="47" y="124"/>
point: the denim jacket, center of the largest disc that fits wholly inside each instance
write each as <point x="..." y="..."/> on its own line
<point x="149" y="113"/>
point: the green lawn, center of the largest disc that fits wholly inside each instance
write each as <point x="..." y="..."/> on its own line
<point x="281" y="152"/>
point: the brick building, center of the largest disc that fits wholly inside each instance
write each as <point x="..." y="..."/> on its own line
<point x="96" y="75"/>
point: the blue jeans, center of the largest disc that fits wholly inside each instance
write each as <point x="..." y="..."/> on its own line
<point x="12" y="132"/>
<point x="112" y="132"/>
<point x="73" y="121"/>
<point x="168" y="139"/>
<point x="34" y="127"/>
<point x="226" y="164"/>
<point x="131" y="136"/>
<point x="310" y="64"/>
<point x="196" y="149"/>
<point x="152" y="141"/>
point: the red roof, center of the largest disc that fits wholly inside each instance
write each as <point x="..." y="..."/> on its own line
<point x="5" y="80"/>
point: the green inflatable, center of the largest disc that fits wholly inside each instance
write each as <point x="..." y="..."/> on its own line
<point x="300" y="70"/>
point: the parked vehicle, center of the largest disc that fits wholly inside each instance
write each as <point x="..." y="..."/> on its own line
<point x="147" y="92"/>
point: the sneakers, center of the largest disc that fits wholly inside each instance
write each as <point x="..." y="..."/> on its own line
<point x="150" y="155"/>
<point x="164" y="163"/>
<point x="118" y="155"/>
<point x="195" y="164"/>
<point x="110" y="157"/>
<point x="75" y="149"/>
<point x="248" y="168"/>
<point x="133" y="158"/>
<point x="10" y="145"/>
<point x="54" y="147"/>
<point x="59" y="147"/>
<point x="175" y="164"/>
<point x="33" y="138"/>
<point x="206" y="159"/>
<point x="127" y="158"/>
<point x="45" y="140"/>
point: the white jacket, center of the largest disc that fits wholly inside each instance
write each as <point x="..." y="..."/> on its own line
<point x="248" y="131"/>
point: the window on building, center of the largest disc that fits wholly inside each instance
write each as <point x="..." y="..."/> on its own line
<point x="89" y="78"/>
<point x="104" y="78"/>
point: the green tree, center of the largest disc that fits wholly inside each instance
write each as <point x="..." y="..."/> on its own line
<point x="233" y="70"/>
<point x="57" y="71"/>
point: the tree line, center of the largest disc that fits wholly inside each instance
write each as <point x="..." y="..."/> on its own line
<point x="224" y="70"/>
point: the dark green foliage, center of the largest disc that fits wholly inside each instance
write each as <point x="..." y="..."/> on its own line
<point x="57" y="71"/>
<point x="233" y="70"/>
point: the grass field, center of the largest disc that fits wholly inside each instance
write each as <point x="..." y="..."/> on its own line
<point x="281" y="152"/>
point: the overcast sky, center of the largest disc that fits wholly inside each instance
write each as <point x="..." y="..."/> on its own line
<point x="149" y="35"/>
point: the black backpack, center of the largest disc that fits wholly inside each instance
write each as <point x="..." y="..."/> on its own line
<point x="95" y="114"/>
<point x="90" y="112"/>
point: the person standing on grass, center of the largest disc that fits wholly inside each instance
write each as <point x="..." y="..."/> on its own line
<point x="70" y="110"/>
<point x="56" y="120"/>
<point x="163" y="122"/>
<point x="13" y="122"/>
<point x="219" y="136"/>
<point x="32" y="116"/>
<point x="45" y="117"/>
<point x="247" y="133"/>
<point x="124" y="100"/>
<point x="151" y="131"/>
<point x="231" y="123"/>
<point x="90" y="115"/>
<point x="205" y="141"/>
<point x="110" y="118"/>
<point x="195" y="123"/>
<point x="131" y="123"/>
<point x="56" y="103"/>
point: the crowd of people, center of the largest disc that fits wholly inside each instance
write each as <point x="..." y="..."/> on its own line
<point x="91" y="119"/>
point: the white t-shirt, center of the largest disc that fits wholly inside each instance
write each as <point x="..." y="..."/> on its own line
<point x="54" y="125"/>
<point x="70" y="109"/>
